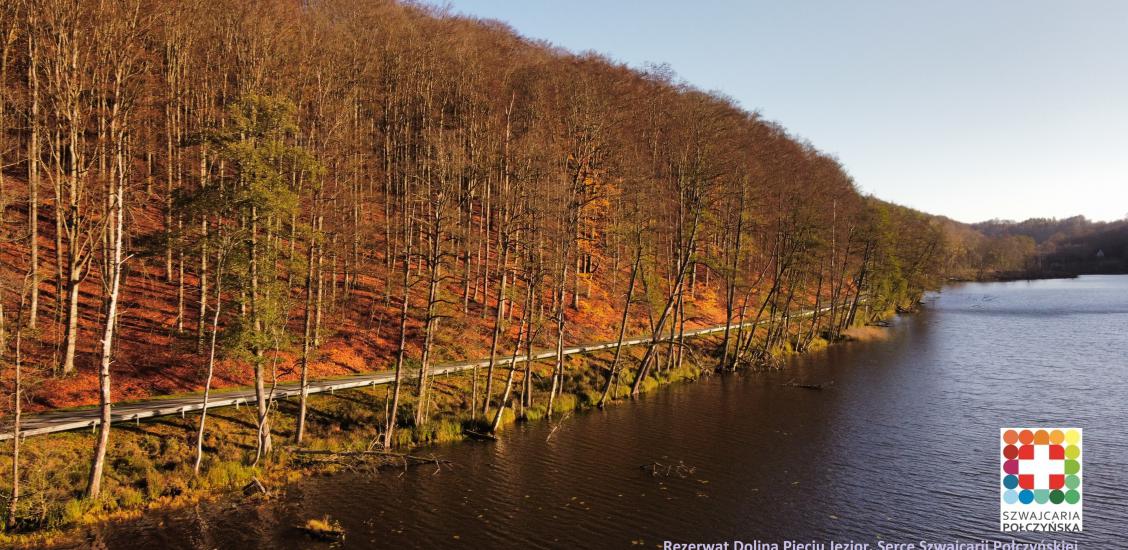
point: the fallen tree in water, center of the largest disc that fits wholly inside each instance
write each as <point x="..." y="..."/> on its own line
<point x="481" y="436"/>
<point x="380" y="459"/>
<point x="807" y="386"/>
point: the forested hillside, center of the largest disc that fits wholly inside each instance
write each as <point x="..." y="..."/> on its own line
<point x="198" y="194"/>
<point x="1071" y="246"/>
<point x="1036" y="248"/>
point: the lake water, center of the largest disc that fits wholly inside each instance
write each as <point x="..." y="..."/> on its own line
<point x="900" y="445"/>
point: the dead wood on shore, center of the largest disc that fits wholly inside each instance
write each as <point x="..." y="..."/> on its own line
<point x="794" y="384"/>
<point x="379" y="459"/>
<point x="479" y="435"/>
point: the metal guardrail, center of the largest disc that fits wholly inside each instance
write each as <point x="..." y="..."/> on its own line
<point x="68" y="420"/>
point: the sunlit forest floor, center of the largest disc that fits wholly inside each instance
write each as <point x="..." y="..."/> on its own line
<point x="359" y="331"/>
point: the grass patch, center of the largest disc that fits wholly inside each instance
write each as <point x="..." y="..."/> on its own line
<point x="227" y="474"/>
<point x="565" y="402"/>
<point x="590" y="397"/>
<point x="534" y="413"/>
<point x="507" y="417"/>
<point x="648" y="384"/>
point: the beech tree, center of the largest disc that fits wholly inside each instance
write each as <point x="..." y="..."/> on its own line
<point x="256" y="143"/>
<point x="123" y="65"/>
<point x="69" y="80"/>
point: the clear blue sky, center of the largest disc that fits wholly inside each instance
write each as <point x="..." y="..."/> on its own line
<point x="974" y="109"/>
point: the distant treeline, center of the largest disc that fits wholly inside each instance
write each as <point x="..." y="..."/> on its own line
<point x="1036" y="248"/>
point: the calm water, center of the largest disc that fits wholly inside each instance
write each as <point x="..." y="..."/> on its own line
<point x="901" y="445"/>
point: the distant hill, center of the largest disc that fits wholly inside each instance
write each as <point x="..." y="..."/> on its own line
<point x="1037" y="247"/>
<point x="1040" y="229"/>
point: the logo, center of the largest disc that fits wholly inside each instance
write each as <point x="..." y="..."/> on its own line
<point x="1040" y="479"/>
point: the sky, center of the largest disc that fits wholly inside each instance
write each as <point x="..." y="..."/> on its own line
<point x="974" y="109"/>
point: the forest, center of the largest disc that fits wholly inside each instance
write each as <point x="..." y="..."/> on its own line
<point x="200" y="194"/>
<point x="1036" y="248"/>
<point x="1070" y="246"/>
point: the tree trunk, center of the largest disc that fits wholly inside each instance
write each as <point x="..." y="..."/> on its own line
<point x="503" y="271"/>
<point x="644" y="366"/>
<point x="513" y="360"/>
<point x="70" y="337"/>
<point x="429" y="328"/>
<point x="263" y="446"/>
<point x="17" y="410"/>
<point x="389" y="432"/>
<point x="319" y="273"/>
<point x="558" y="367"/>
<point x="201" y="320"/>
<point x="117" y="199"/>
<point x="33" y="161"/>
<point x="211" y="365"/>
<point x="611" y="376"/>
<point x="731" y="280"/>
<point x="179" y="280"/>
<point x="307" y="337"/>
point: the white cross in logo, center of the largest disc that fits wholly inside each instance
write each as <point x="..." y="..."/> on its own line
<point x="1041" y="467"/>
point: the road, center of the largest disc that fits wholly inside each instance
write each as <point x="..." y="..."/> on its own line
<point x="77" y="419"/>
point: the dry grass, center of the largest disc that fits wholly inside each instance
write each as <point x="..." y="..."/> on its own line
<point x="867" y="333"/>
<point x="324" y="529"/>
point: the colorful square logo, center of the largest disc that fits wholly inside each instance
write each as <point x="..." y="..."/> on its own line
<point x="1040" y="479"/>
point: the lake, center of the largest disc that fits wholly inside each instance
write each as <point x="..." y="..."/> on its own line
<point x="901" y="444"/>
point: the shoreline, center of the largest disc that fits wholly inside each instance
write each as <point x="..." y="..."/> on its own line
<point x="225" y="473"/>
<point x="1011" y="276"/>
<point x="88" y="416"/>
